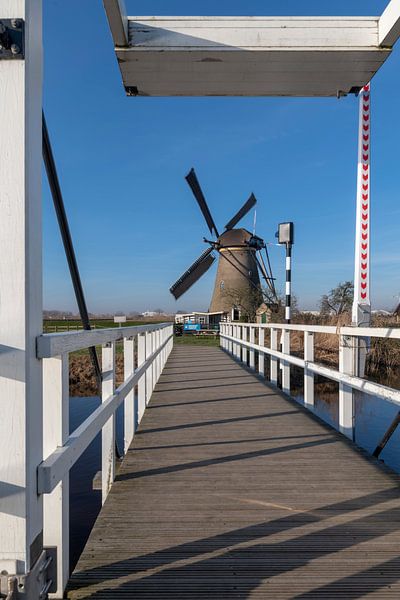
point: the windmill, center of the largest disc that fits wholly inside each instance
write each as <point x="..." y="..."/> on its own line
<point x="240" y="257"/>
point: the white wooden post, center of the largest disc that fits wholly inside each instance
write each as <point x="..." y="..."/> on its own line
<point x="274" y="360"/>
<point x="141" y="350"/>
<point x="129" y="402"/>
<point x="308" y="375"/>
<point x="221" y="333"/>
<point x="230" y="343"/>
<point x="244" y="338"/>
<point x="108" y="431"/>
<point x="149" y="370"/>
<point x="285" y="364"/>
<point x="261" y="356"/>
<point x="346" y="402"/>
<point x="252" y="361"/>
<point x="56" y="432"/>
<point x="21" y="427"/>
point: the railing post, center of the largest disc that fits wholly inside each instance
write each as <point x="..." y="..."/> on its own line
<point x="230" y="342"/>
<point x="141" y="353"/>
<point x="129" y="403"/>
<point x="21" y="314"/>
<point x="149" y="370"/>
<point x="108" y="431"/>
<point x="244" y="338"/>
<point x="347" y="348"/>
<point x="237" y="345"/>
<point x="252" y="353"/>
<point x="274" y="360"/>
<point x="56" y="432"/>
<point x="285" y="364"/>
<point x="261" y="356"/>
<point x="308" y="375"/>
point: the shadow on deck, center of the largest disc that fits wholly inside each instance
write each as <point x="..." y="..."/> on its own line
<point x="230" y="490"/>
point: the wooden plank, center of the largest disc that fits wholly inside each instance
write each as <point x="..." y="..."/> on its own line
<point x="230" y="490"/>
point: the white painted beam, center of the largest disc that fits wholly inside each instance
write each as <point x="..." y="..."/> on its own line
<point x="389" y="24"/>
<point x="249" y="56"/>
<point x="118" y="21"/>
<point x="21" y="451"/>
<point x="53" y="344"/>
<point x="108" y="431"/>
<point x="55" y="434"/>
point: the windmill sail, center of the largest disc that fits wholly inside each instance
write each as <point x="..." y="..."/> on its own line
<point x="193" y="182"/>
<point x="193" y="274"/>
<point x="242" y="212"/>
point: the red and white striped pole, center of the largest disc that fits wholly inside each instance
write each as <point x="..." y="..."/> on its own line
<point x="361" y="314"/>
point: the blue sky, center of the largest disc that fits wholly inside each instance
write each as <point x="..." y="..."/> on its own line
<point x="122" y="163"/>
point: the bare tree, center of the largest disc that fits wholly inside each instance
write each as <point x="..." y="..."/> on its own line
<point x="339" y="300"/>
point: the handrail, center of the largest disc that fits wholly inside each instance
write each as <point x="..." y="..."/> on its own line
<point x="379" y="332"/>
<point x="52" y="470"/>
<point x="239" y="339"/>
<point x="145" y="351"/>
<point x="55" y="344"/>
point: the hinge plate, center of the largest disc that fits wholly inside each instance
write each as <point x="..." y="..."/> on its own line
<point x="35" y="585"/>
<point x="12" y="39"/>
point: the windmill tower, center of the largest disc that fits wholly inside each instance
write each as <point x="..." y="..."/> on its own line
<point x="240" y="258"/>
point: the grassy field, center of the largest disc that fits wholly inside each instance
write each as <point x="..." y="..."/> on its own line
<point x="196" y="340"/>
<point x="51" y="325"/>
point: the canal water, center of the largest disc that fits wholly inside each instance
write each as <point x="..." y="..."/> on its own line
<point x="373" y="417"/>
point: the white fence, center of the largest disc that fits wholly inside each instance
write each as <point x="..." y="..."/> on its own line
<point x="239" y="339"/>
<point x="145" y="352"/>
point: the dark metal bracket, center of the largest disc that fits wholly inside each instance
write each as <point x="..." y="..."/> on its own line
<point x="12" y="39"/>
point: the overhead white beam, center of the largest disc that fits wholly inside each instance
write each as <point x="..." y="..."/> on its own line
<point x="250" y="56"/>
<point x="118" y="20"/>
<point x="389" y="24"/>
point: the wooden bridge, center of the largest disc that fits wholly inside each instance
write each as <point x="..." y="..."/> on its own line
<point x="231" y="489"/>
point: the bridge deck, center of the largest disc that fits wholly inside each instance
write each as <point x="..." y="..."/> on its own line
<point x="230" y="490"/>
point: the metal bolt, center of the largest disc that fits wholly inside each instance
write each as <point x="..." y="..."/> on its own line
<point x="15" y="49"/>
<point x="15" y="23"/>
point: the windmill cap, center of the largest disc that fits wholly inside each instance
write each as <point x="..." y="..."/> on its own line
<point x="235" y="237"/>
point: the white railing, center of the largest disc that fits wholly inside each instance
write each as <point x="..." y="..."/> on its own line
<point x="145" y="352"/>
<point x="239" y="339"/>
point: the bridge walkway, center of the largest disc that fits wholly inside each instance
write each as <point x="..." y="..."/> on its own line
<point x="231" y="490"/>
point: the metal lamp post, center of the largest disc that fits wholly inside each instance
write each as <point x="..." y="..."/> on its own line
<point x="286" y="237"/>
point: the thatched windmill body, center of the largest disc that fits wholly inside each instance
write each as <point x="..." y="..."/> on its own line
<point x="240" y="258"/>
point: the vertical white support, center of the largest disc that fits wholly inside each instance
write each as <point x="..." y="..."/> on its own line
<point x="21" y="427"/>
<point x="244" y="338"/>
<point x="274" y="361"/>
<point x="237" y="345"/>
<point x="108" y="431"/>
<point x="154" y="365"/>
<point x="308" y="375"/>
<point x="252" y="353"/>
<point x="240" y="338"/>
<point x="261" y="355"/>
<point x="285" y="364"/>
<point x="347" y="353"/>
<point x="129" y="402"/>
<point x="56" y="432"/>
<point x="221" y="333"/>
<point x="158" y="359"/>
<point x="142" y="399"/>
<point x="230" y="342"/>
<point x="361" y="314"/>
<point x="149" y="370"/>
